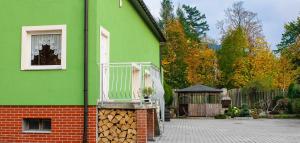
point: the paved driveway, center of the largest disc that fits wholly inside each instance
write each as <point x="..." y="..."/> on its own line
<point x="231" y="131"/>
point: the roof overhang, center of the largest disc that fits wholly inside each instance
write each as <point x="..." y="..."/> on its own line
<point x="199" y="89"/>
<point x="144" y="12"/>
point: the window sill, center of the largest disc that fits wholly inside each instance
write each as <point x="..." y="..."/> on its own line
<point x="35" y="68"/>
<point x="37" y="132"/>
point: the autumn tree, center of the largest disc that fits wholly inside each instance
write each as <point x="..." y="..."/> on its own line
<point x="202" y="65"/>
<point x="292" y="53"/>
<point x="185" y="59"/>
<point x="257" y="68"/>
<point x="234" y="46"/>
<point x="263" y="66"/>
<point x="286" y="73"/>
<point x="242" y="74"/>
<point x="289" y="47"/>
<point x="238" y="17"/>
<point x="173" y="55"/>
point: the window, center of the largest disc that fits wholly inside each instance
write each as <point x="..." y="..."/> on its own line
<point x="37" y="125"/>
<point x="213" y="99"/>
<point x="43" y="47"/>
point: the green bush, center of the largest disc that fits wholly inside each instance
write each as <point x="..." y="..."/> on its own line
<point x="278" y="97"/>
<point x="294" y="91"/>
<point x="245" y="111"/>
<point x="168" y="94"/>
<point x="233" y="112"/>
<point x="296" y="105"/>
<point x="221" y="116"/>
<point x="286" y="116"/>
<point x="290" y="107"/>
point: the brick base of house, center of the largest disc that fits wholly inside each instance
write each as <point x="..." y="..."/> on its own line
<point x="111" y="128"/>
<point x="145" y="125"/>
<point x="66" y="123"/>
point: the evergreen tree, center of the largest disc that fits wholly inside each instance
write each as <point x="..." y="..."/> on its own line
<point x="166" y="13"/>
<point x="194" y="22"/>
<point x="292" y="31"/>
<point x="181" y="16"/>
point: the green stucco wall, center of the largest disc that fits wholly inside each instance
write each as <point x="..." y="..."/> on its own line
<point x="131" y="41"/>
<point x="55" y="87"/>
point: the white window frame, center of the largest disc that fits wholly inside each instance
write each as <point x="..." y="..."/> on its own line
<point x="103" y="65"/>
<point x="28" y="31"/>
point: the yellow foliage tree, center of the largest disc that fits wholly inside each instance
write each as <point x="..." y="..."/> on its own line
<point x="292" y="54"/>
<point x="258" y="67"/>
<point x="285" y="73"/>
<point x="173" y="55"/>
<point x="202" y="65"/>
<point x="242" y="74"/>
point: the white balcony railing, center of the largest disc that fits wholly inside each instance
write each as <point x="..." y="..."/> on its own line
<point x="124" y="82"/>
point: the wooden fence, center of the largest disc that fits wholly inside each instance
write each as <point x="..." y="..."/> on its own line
<point x="251" y="98"/>
<point x="204" y="110"/>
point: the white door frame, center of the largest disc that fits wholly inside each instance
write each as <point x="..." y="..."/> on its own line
<point x="104" y="63"/>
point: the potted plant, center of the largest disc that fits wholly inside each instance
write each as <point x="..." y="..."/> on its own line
<point x="147" y="92"/>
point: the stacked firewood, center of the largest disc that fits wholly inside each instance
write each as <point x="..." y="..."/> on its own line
<point x="117" y="126"/>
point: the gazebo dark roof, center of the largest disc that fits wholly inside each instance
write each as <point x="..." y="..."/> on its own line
<point x="199" y="89"/>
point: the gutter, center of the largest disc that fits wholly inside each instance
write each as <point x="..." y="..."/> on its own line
<point x="85" y="88"/>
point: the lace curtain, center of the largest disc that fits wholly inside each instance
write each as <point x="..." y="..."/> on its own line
<point x="53" y="40"/>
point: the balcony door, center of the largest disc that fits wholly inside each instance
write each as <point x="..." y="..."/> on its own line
<point x="104" y="61"/>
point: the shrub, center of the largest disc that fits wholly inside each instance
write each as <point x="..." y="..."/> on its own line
<point x="294" y="90"/>
<point x="254" y="113"/>
<point x="296" y="105"/>
<point x="245" y="111"/>
<point x="221" y="116"/>
<point x="233" y="112"/>
<point x="290" y="107"/>
<point x="278" y="97"/>
<point x="285" y="116"/>
<point x="274" y="112"/>
<point x="168" y="94"/>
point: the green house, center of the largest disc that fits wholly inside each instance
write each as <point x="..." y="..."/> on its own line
<point x="63" y="61"/>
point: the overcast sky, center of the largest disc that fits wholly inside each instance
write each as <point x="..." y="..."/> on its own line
<point x="273" y="14"/>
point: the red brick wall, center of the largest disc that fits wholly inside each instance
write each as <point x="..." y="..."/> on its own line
<point x="145" y="125"/>
<point x="141" y="116"/>
<point x="67" y="123"/>
<point x="150" y="124"/>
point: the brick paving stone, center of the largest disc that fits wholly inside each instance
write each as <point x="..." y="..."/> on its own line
<point x="230" y="131"/>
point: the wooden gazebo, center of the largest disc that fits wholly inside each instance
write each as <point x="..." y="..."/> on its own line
<point x="199" y="100"/>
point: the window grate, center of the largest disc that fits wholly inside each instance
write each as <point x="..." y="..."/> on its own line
<point x="37" y="125"/>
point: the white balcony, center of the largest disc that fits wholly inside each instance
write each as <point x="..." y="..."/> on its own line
<point x="122" y="85"/>
<point x="124" y="82"/>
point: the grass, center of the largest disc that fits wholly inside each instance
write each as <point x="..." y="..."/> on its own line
<point x="221" y="116"/>
<point x="282" y="116"/>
